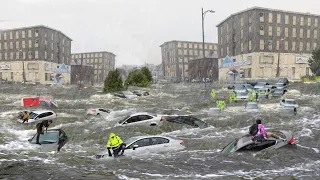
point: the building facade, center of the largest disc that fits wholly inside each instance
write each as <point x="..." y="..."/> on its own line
<point x="262" y="37"/>
<point x="102" y="62"/>
<point x="177" y="54"/>
<point x="36" y="43"/>
<point x="203" y="68"/>
<point x="40" y="72"/>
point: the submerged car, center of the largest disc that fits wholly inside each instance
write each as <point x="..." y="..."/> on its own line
<point x="289" y="110"/>
<point x="125" y="94"/>
<point x="278" y="92"/>
<point x="140" y="93"/>
<point x="238" y="88"/>
<point x="263" y="93"/>
<point x="252" y="107"/>
<point x="186" y="119"/>
<point x="242" y="95"/>
<point x="40" y="115"/>
<point x="148" y="144"/>
<point x="53" y="139"/>
<point x="245" y="143"/>
<point x="284" y="81"/>
<point x="260" y="85"/>
<point x="249" y="87"/>
<point x="144" y="119"/>
<point x="280" y="85"/>
<point x="289" y="102"/>
<point x="98" y="112"/>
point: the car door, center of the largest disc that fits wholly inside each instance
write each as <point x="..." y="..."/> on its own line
<point x="143" y="146"/>
<point x="144" y="120"/>
<point x="159" y="144"/>
<point x="47" y="116"/>
<point x="131" y="121"/>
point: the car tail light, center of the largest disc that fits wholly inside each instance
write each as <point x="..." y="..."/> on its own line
<point x="162" y="118"/>
<point x="182" y="143"/>
<point x="93" y="110"/>
<point x="292" y="141"/>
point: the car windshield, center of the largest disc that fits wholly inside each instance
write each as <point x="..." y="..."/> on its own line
<point x="46" y="138"/>
<point x="33" y="115"/>
<point x="291" y="102"/>
<point x="121" y="121"/>
<point x="252" y="106"/>
<point x="282" y="80"/>
<point x="278" y="91"/>
<point x="280" y="85"/>
<point x="249" y="86"/>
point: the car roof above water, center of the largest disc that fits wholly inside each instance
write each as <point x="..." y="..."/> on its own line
<point x="41" y="111"/>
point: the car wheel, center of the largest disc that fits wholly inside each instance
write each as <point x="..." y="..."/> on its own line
<point x="98" y="114"/>
<point x="153" y="124"/>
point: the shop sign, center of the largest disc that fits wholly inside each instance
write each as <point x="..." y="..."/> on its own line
<point x="5" y="66"/>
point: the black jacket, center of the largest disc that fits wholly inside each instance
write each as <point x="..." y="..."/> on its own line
<point x="42" y="124"/>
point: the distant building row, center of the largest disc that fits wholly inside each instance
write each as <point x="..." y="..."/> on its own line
<point x="41" y="44"/>
<point x="254" y="40"/>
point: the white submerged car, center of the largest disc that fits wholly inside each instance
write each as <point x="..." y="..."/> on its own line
<point x="142" y="119"/>
<point x="289" y="103"/>
<point x="98" y="112"/>
<point x="141" y="145"/>
<point x="40" y="115"/>
<point x="252" y="107"/>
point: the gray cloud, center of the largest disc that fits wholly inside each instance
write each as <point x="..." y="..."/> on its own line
<point x="132" y="29"/>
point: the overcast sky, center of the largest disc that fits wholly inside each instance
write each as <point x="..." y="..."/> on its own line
<point x="133" y="29"/>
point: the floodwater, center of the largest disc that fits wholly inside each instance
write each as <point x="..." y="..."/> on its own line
<point x="201" y="159"/>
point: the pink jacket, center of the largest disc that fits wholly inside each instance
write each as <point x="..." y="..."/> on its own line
<point x="261" y="130"/>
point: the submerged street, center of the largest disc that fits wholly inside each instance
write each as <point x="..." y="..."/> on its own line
<point x="201" y="158"/>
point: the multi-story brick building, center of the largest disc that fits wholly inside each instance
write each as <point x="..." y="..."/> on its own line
<point x="263" y="36"/>
<point x="32" y="47"/>
<point x="176" y="55"/>
<point x="103" y="62"/>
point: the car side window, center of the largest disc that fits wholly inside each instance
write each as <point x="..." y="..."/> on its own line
<point x="159" y="140"/>
<point x="149" y="117"/>
<point x="143" y="117"/>
<point x="142" y="142"/>
<point x="132" y="119"/>
<point x="103" y="110"/>
<point x="42" y="115"/>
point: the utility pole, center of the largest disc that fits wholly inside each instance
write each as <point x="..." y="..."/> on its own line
<point x="203" y="53"/>
<point x="278" y="64"/>
<point x="23" y="71"/>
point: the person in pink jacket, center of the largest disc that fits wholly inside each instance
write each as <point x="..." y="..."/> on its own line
<point x="263" y="132"/>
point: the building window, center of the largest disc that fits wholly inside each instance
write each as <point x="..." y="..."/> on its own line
<point x="315" y="22"/>
<point x="190" y="52"/>
<point x="261" y="44"/>
<point x="23" y="33"/>
<point x="5" y="36"/>
<point x="278" y="18"/>
<point x="24" y="55"/>
<point x="301" y="33"/>
<point x="227" y="38"/>
<point x="36" y="55"/>
<point x="185" y="52"/>
<point x="301" y="21"/>
<point x="222" y="52"/>
<point x="5" y="56"/>
<point x="11" y="74"/>
<point x="0" y="45"/>
<point x="286" y="19"/>
<point x="250" y="46"/>
<point x="315" y="34"/>
<point x="11" y="45"/>
<point x="261" y="17"/>
<point x="36" y="34"/>
<point x="278" y="31"/>
<point x="270" y="46"/>
<point x="270" y="30"/>
<point x="48" y="77"/>
<point x="241" y="34"/>
<point x="300" y="46"/>
<point x="52" y="46"/>
<point x="286" y="32"/>
<point x="36" y="43"/>
<point x="17" y="45"/>
<point x="314" y="45"/>
<point x="196" y="46"/>
<point x="294" y="20"/>
<point x="270" y="18"/>
<point x="11" y="55"/>
<point x="29" y="33"/>
<point x="0" y="57"/>
<point x="277" y="47"/>
<point x="179" y="44"/>
<point x="17" y="55"/>
<point x="51" y="57"/>
<point x="5" y="45"/>
<point x="309" y="21"/>
<point x="249" y="30"/>
<point x="228" y="51"/>
<point x="17" y="34"/>
<point x="241" y="21"/>
<point x="250" y="20"/>
<point x="11" y="35"/>
<point x="52" y="36"/>
<point x="294" y="32"/>
<point x="308" y="33"/>
<point x="261" y="30"/>
<point x="286" y="45"/>
<point x="308" y="46"/>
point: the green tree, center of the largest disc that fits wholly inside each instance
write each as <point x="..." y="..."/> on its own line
<point x="113" y="82"/>
<point x="137" y="78"/>
<point x="314" y="62"/>
<point x="145" y="71"/>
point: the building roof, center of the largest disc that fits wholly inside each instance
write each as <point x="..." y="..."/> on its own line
<point x="93" y="52"/>
<point x="268" y="9"/>
<point x="186" y="42"/>
<point x="38" y="26"/>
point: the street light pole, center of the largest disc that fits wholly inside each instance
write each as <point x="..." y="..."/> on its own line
<point x="23" y="72"/>
<point x="278" y="64"/>
<point x="203" y="53"/>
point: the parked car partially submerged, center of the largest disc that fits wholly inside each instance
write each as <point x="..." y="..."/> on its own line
<point x="285" y="81"/>
<point x="278" y="92"/>
<point x="125" y="94"/>
<point x="53" y="139"/>
<point x="260" y="85"/>
<point x="140" y="93"/>
<point x="289" y="110"/>
<point x="187" y="120"/>
<point x="242" y="95"/>
<point x="98" y="112"/>
<point x="144" y="119"/>
<point x="289" y="102"/>
<point x="252" y="107"/>
<point x="40" y="115"/>
<point x="148" y="144"/>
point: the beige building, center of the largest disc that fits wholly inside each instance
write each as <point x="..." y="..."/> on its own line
<point x="177" y="54"/>
<point x="257" y="35"/>
<point x="41" y="72"/>
<point x="263" y="65"/>
<point x="102" y="62"/>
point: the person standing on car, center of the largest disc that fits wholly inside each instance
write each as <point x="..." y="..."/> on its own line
<point x="262" y="132"/>
<point x="40" y="126"/>
<point x="25" y="116"/>
<point x="116" y="144"/>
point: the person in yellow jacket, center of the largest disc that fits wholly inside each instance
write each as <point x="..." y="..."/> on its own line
<point x="213" y="94"/>
<point x="116" y="144"/>
<point x="25" y="116"/>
